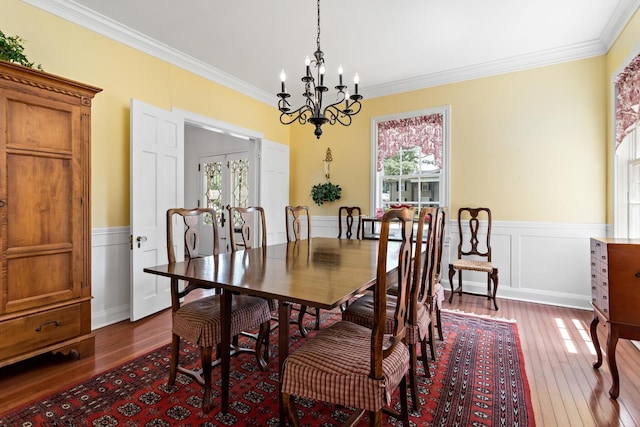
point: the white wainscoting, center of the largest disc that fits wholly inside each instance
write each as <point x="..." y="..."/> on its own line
<point x="110" y="276"/>
<point x="539" y="262"/>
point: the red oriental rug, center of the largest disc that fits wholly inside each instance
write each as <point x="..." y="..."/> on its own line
<point x="478" y="380"/>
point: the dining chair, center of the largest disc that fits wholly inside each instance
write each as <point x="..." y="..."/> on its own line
<point x="199" y="320"/>
<point x="473" y="223"/>
<point x="251" y="225"/>
<point x="347" y="215"/>
<point x="294" y="217"/>
<point x="420" y="317"/>
<point x="354" y="366"/>
<point x="438" y="294"/>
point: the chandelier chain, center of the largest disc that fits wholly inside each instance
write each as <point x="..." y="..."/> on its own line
<point x="318" y="40"/>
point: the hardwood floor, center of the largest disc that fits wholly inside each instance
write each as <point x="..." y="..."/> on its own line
<point x="565" y="389"/>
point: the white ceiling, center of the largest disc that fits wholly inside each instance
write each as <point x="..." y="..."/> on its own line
<point x="393" y="45"/>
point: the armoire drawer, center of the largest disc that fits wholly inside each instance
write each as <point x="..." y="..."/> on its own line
<point x="39" y="330"/>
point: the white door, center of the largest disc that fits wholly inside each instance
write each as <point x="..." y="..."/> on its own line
<point x="157" y="184"/>
<point x="274" y="188"/>
<point x="227" y="180"/>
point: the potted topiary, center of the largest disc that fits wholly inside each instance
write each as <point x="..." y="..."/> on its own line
<point x="11" y="50"/>
<point x="326" y="192"/>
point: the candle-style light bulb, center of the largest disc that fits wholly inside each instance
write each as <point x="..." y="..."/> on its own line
<point x="340" y="70"/>
<point x="346" y="99"/>
<point x="283" y="77"/>
<point x="307" y="62"/>
<point x="356" y="80"/>
<point x="322" y="75"/>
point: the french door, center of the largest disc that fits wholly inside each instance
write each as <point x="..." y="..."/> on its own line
<point x="227" y="180"/>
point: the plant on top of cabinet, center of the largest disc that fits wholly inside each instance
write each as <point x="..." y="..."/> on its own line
<point x="11" y="50"/>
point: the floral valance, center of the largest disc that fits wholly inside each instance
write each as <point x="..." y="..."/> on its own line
<point x="420" y="131"/>
<point x="627" y="99"/>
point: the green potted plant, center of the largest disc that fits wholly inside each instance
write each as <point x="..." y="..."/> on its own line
<point x="11" y="50"/>
<point x="326" y="192"/>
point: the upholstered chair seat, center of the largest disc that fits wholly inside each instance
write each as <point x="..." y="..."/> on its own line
<point x="199" y="321"/>
<point x="317" y="371"/>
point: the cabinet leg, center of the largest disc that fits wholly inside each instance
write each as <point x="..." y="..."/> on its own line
<point x="593" y="328"/>
<point x="612" y="342"/>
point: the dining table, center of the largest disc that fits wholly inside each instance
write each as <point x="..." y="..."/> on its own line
<point x="318" y="272"/>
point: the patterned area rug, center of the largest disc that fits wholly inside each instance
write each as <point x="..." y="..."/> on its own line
<point x="478" y="380"/>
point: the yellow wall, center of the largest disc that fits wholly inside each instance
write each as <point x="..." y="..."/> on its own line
<point x="532" y="145"/>
<point x="123" y="73"/>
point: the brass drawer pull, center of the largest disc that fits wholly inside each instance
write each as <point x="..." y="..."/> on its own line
<point x="638" y="274"/>
<point x="39" y="328"/>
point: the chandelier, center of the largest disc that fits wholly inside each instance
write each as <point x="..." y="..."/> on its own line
<point x="340" y="111"/>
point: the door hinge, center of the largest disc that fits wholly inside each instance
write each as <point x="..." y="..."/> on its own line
<point x="131" y="241"/>
<point x="199" y="167"/>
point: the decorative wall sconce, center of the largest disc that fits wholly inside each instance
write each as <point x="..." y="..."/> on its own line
<point x="328" y="158"/>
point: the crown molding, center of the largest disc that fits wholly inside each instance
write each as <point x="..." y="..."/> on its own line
<point x="486" y="69"/>
<point x="87" y="18"/>
<point x="623" y="13"/>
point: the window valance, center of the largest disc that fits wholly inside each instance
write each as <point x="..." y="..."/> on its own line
<point x="627" y="99"/>
<point x="420" y="131"/>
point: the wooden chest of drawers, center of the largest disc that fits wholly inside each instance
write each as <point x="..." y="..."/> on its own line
<point x="615" y="296"/>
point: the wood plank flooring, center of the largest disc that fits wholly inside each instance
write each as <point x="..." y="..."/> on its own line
<point x="565" y="389"/>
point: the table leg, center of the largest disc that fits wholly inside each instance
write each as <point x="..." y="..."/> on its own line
<point x="593" y="328"/>
<point x="284" y="312"/>
<point x="225" y="346"/>
<point x="612" y="342"/>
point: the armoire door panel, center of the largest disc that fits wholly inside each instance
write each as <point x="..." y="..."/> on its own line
<point x="40" y="127"/>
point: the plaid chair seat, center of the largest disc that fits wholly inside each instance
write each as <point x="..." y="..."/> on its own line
<point x="473" y="265"/>
<point x="361" y="312"/>
<point x="199" y="321"/>
<point x="335" y="367"/>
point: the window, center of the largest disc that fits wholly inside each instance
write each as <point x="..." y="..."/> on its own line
<point x="410" y="159"/>
<point x="626" y="159"/>
<point x="627" y="166"/>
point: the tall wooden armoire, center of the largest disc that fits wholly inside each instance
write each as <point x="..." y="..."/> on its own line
<point x="45" y="232"/>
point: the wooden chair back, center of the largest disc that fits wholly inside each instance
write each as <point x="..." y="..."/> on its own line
<point x="191" y="218"/>
<point x="379" y="349"/>
<point x="424" y="265"/>
<point x="440" y="229"/>
<point x="471" y="231"/>
<point x="347" y="215"/>
<point x="248" y="230"/>
<point x="293" y="222"/>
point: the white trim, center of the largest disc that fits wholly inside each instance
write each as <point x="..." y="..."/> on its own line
<point x="540" y="262"/>
<point x="209" y="123"/>
<point x="91" y="20"/>
<point x="110" y="277"/>
<point x="516" y="245"/>
<point x="87" y="18"/>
